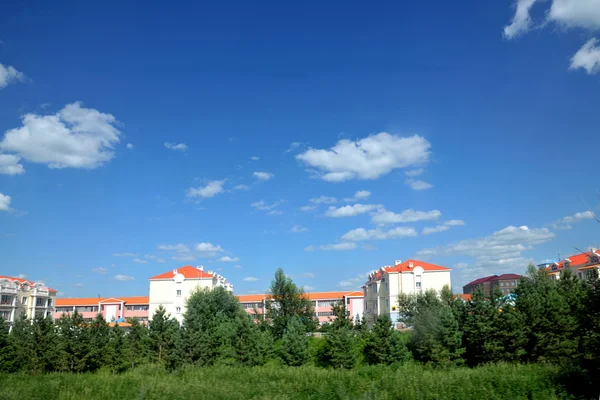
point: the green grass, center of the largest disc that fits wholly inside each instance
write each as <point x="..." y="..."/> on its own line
<point x="410" y="381"/>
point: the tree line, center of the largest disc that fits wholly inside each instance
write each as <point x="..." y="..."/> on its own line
<point x="544" y="320"/>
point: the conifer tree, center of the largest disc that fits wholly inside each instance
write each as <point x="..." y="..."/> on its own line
<point x="294" y="343"/>
<point x="164" y="335"/>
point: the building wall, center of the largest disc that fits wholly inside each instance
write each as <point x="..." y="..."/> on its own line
<point x="165" y="293"/>
<point x="18" y="297"/>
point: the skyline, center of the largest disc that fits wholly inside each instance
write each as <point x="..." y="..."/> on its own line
<point x="327" y="143"/>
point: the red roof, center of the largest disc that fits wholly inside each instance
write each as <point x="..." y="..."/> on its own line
<point x="23" y="281"/>
<point x="187" y="271"/>
<point x="575" y="260"/>
<point x="492" y="278"/>
<point x="409" y="266"/>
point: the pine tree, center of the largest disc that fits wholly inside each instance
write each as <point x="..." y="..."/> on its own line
<point x="164" y="335"/>
<point x="99" y="339"/>
<point x="377" y="343"/>
<point x="136" y="344"/>
<point x="294" y="343"/>
<point x="7" y="353"/>
<point x="341" y="346"/>
<point x="22" y="341"/>
<point x="75" y="342"/>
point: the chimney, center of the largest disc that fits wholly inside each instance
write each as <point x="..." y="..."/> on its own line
<point x="398" y="262"/>
<point x="175" y="272"/>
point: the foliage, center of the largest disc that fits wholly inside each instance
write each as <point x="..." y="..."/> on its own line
<point x="294" y="344"/>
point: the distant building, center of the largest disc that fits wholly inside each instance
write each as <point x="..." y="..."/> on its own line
<point x="111" y="308"/>
<point x="172" y="288"/>
<point x="581" y="265"/>
<point x="410" y="277"/>
<point x="505" y="283"/>
<point x="20" y="296"/>
<point x="322" y="303"/>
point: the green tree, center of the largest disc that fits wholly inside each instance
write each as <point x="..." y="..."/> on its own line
<point x="74" y="334"/>
<point x="294" y="343"/>
<point x="136" y="344"/>
<point x="22" y="341"/>
<point x="376" y="349"/>
<point x="164" y="335"/>
<point x="99" y="340"/>
<point x="436" y="338"/>
<point x="7" y="353"/>
<point x="286" y="301"/>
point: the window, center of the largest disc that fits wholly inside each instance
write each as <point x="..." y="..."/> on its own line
<point x="49" y="302"/>
<point x="5" y="315"/>
<point x="24" y="300"/>
<point x="325" y="314"/>
<point x="501" y="283"/>
<point x="178" y="293"/>
<point x="139" y="307"/>
<point x="348" y="300"/>
<point x="418" y="285"/>
<point x="87" y="309"/>
<point x="64" y="309"/>
<point x="579" y="275"/>
<point x="177" y="310"/>
<point x="327" y="303"/>
<point x="6" y="300"/>
<point x="40" y="302"/>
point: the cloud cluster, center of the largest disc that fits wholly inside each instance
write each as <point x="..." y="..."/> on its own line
<point x="351" y="211"/>
<point x="361" y="234"/>
<point x="428" y="230"/>
<point x="176" y="146"/>
<point x="211" y="189"/>
<point x="4" y="202"/>
<point x="10" y="75"/>
<point x="360" y="195"/>
<point x="367" y="158"/>
<point x="263" y="176"/>
<point x="332" y="247"/>
<point x="385" y="217"/>
<point x="566" y="222"/>
<point x="9" y="165"/>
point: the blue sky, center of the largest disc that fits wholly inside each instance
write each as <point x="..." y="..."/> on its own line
<point x="329" y="140"/>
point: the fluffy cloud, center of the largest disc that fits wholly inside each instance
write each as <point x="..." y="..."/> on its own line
<point x="576" y="13"/>
<point x="10" y="75"/>
<point x="124" y="255"/>
<point x="78" y="285"/>
<point x="176" y="146"/>
<point x="298" y="229"/>
<point x="308" y="208"/>
<point x="262" y="176"/>
<point x="123" y="278"/>
<point x="250" y="279"/>
<point x="308" y="288"/>
<point x="414" y="172"/>
<point x="130" y="146"/>
<point x="75" y="137"/>
<point x="332" y="247"/>
<point x="100" y="270"/>
<point x="9" y="165"/>
<point x="261" y="205"/>
<point x="307" y="275"/>
<point x="237" y="266"/>
<point x="360" y="195"/>
<point x="208" y="248"/>
<point x="324" y="200"/>
<point x="565" y="222"/>
<point x="178" y="248"/>
<point x="588" y="57"/>
<point x="255" y="158"/>
<point x="351" y="211"/>
<point x="384" y="217"/>
<point x="367" y="158"/>
<point x="428" y="230"/>
<point x="521" y="21"/>
<point x="184" y="257"/>
<point x="241" y="187"/>
<point x="228" y="259"/>
<point x="345" y="284"/>
<point x="211" y="189"/>
<point x="139" y="261"/>
<point x="455" y="222"/>
<point x="4" y="202"/>
<point x="418" y="184"/>
<point x="360" y="234"/>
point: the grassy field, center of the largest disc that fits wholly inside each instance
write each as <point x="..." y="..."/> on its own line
<point x="407" y="382"/>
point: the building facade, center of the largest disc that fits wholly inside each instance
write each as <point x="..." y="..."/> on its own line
<point x="172" y="288"/>
<point x="505" y="283"/>
<point x="22" y="297"/>
<point x="410" y="277"/>
<point x="581" y="265"/>
<point x="111" y="308"/>
<point x="255" y="304"/>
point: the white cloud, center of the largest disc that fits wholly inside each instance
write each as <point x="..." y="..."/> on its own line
<point x="10" y="75"/>
<point x="414" y="172"/>
<point x="160" y="260"/>
<point x="4" y="202"/>
<point x="100" y="270"/>
<point x="261" y="205"/>
<point x="263" y="176"/>
<point x="307" y="275"/>
<point x="241" y="187"/>
<point x="250" y="279"/>
<point x="418" y="184"/>
<point x="176" y="147"/>
<point x="565" y="222"/>
<point x="384" y="217"/>
<point x="130" y="146"/>
<point x="255" y="158"/>
<point x="184" y="257"/>
<point x="360" y="234"/>
<point x="367" y="158"/>
<point x="178" y="248"/>
<point x="434" y="229"/>
<point x="228" y="259"/>
<point x="521" y="21"/>
<point x="139" y="261"/>
<point x="74" y="137"/>
<point x="21" y="276"/>
<point x="299" y="229"/>
<point x="124" y="255"/>
<point x="308" y="288"/>
<point x="9" y="165"/>
<point x="238" y="266"/>
<point x="308" y="208"/>
<point x="351" y="211"/>
<point x="78" y="285"/>
<point x="208" y="248"/>
<point x="123" y="278"/>
<point x="360" y="195"/>
<point x="588" y="57"/>
<point x="275" y="212"/>
<point x="346" y="284"/>
<point x="332" y="247"/>
<point x="324" y="200"/>
<point x="455" y="222"/>
<point x="576" y="13"/>
<point x="211" y="189"/>
<point x="295" y="146"/>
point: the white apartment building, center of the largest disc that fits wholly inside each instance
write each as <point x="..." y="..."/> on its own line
<point x="19" y="296"/>
<point x="172" y="289"/>
<point x="410" y="277"/>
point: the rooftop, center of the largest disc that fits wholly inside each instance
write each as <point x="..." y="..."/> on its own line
<point x="21" y="280"/>
<point x="492" y="278"/>
<point x="94" y="301"/>
<point x="407" y="266"/>
<point x="188" y="272"/>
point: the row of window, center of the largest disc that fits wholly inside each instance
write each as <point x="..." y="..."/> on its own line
<point x="7" y="300"/>
<point x="250" y="306"/>
<point x="512" y="283"/>
<point x="325" y="314"/>
<point x="80" y="309"/>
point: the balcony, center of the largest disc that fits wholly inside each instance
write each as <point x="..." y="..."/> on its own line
<point x="8" y="290"/>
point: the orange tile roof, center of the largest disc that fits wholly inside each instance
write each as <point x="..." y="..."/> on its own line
<point x="121" y="324"/>
<point x="405" y="267"/>
<point x="575" y="260"/>
<point x="94" y="301"/>
<point x="188" y="271"/>
<point x="23" y="281"/>
<point x="325" y="295"/>
<point x="358" y="293"/>
<point x="251" y="298"/>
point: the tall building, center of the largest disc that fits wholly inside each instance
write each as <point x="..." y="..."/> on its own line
<point x="410" y="277"/>
<point x="172" y="288"/>
<point x="505" y="283"/>
<point x="111" y="308"/>
<point x="20" y="296"/>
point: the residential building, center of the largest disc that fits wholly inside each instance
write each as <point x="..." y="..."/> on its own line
<point x="581" y="265"/>
<point x="505" y="283"/>
<point x="19" y="296"/>
<point x="172" y="288"/>
<point x="322" y="303"/>
<point x="410" y="277"/>
<point x="111" y="308"/>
